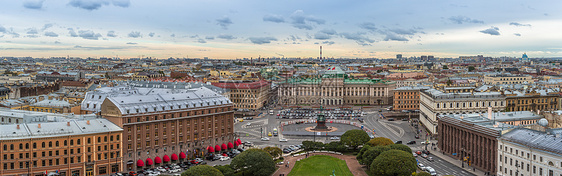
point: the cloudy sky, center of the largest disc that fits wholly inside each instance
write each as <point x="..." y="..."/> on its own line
<point x="289" y="28"/>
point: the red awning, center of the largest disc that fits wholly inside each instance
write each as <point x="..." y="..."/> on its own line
<point x="140" y="163"/>
<point x="174" y="157"/>
<point x="166" y="158"/>
<point x="230" y="145"/>
<point x="210" y="149"/>
<point x="149" y="162"/>
<point x="182" y="156"/>
<point x="239" y="141"/>
<point x="223" y="146"/>
<point x="235" y="143"/>
<point x="157" y="160"/>
<point x="217" y="148"/>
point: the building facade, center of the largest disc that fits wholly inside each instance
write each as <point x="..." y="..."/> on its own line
<point x="171" y="125"/>
<point x="71" y="148"/>
<point x="545" y="99"/>
<point x="508" y="79"/>
<point x="526" y="152"/>
<point x="247" y="95"/>
<point x="434" y="103"/>
<point x="407" y="98"/>
<point x="335" y="88"/>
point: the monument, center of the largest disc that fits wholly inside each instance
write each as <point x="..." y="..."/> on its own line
<point x="320" y="123"/>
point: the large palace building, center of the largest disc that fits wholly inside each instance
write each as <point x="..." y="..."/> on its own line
<point x="335" y="88"/>
<point x="167" y="125"/>
<point x="46" y="143"/>
<point x="247" y="95"/>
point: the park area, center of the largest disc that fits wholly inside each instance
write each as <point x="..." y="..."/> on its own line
<point x="320" y="165"/>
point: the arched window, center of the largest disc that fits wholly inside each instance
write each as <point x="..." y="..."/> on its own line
<point x="65" y="143"/>
<point x="11" y="146"/>
<point x="77" y="141"/>
<point x="43" y="145"/>
<point x="34" y="145"/>
<point x="105" y="139"/>
<point x="72" y="142"/>
<point x="99" y="139"/>
<point x="89" y="140"/>
<point x="50" y="144"/>
<point x="21" y="146"/>
<point x="5" y="147"/>
<point x="56" y="143"/>
<point x="27" y="146"/>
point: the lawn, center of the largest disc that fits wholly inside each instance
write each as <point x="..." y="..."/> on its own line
<point x="320" y="165"/>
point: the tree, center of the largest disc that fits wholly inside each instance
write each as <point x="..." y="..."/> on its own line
<point x="360" y="154"/>
<point x="273" y="151"/>
<point x="449" y="82"/>
<point x="470" y="68"/>
<point x="370" y="155"/>
<point x="393" y="162"/>
<point x="309" y="145"/>
<point x="354" y="138"/>
<point x="423" y="174"/>
<point x="254" y="162"/>
<point x="445" y="67"/>
<point x="226" y="170"/>
<point x="400" y="147"/>
<point x="380" y="141"/>
<point x="202" y="170"/>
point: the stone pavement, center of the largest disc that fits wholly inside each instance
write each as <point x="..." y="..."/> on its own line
<point x="351" y="162"/>
<point x="454" y="161"/>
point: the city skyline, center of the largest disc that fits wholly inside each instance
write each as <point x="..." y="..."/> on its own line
<point x="231" y="29"/>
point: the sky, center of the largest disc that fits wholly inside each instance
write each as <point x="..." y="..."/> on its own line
<point x="289" y="28"/>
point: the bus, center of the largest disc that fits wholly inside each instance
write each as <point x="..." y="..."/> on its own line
<point x="274" y="131"/>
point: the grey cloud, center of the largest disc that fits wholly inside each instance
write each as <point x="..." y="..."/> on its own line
<point x="368" y="25"/>
<point x="358" y="37"/>
<point x="32" y="31"/>
<point x="151" y="34"/>
<point x="2" y="29"/>
<point x="135" y="34"/>
<point x="51" y="34"/>
<point x="88" y="34"/>
<point x="404" y="31"/>
<point x="301" y="21"/>
<point x="57" y="42"/>
<point x="32" y="36"/>
<point x="194" y="36"/>
<point x="131" y="43"/>
<point x="492" y="31"/>
<point x="394" y="37"/>
<point x="325" y="34"/>
<point x="101" y="47"/>
<point x="463" y="19"/>
<point x="72" y="33"/>
<point x="226" y="36"/>
<point x="519" y="24"/>
<point x="274" y="18"/>
<point x="262" y="40"/>
<point x="111" y="34"/>
<point x="294" y="38"/>
<point x="224" y="22"/>
<point x="46" y="26"/>
<point x="328" y="42"/>
<point x="33" y="4"/>
<point x="96" y="4"/>
<point x="173" y="35"/>
<point x="517" y="34"/>
<point x="209" y="38"/>
<point x="201" y="41"/>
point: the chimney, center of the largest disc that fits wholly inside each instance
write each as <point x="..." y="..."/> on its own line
<point x="88" y="122"/>
<point x="67" y="123"/>
<point x="38" y="125"/>
<point x="490" y="113"/>
<point x="18" y="126"/>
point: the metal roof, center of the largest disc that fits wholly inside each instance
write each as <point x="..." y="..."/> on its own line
<point x="534" y="139"/>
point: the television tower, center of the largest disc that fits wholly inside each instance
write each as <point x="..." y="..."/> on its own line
<point x="321" y="54"/>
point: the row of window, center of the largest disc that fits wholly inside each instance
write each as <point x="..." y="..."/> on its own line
<point x="56" y="152"/>
<point x="469" y="104"/>
<point x="181" y="114"/>
<point x="55" y="162"/>
<point x="57" y="144"/>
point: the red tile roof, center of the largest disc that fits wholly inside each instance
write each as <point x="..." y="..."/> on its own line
<point x="252" y="85"/>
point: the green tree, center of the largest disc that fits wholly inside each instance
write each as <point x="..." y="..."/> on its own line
<point x="309" y="145"/>
<point x="360" y="154"/>
<point x="254" y="162"/>
<point x="393" y="162"/>
<point x="400" y="147"/>
<point x="449" y="82"/>
<point x="354" y="138"/>
<point x="445" y="67"/>
<point x="202" y="170"/>
<point x="273" y="151"/>
<point x="226" y="170"/>
<point x="370" y="155"/>
<point x="423" y="174"/>
<point x="380" y="141"/>
<point x="470" y="68"/>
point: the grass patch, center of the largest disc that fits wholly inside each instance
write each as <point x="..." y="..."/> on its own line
<point x="320" y="165"/>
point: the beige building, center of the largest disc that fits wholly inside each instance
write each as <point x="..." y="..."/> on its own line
<point x="247" y="95"/>
<point x="508" y="79"/>
<point x="334" y="88"/>
<point x="407" y="98"/>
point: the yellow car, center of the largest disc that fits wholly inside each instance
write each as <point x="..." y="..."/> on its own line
<point x="269" y="134"/>
<point x="241" y="120"/>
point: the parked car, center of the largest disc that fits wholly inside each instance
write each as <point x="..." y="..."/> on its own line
<point x="398" y="142"/>
<point x="224" y="158"/>
<point x="418" y="152"/>
<point x="424" y="155"/>
<point x="411" y="142"/>
<point x="426" y="152"/>
<point x="414" y="153"/>
<point x="417" y="136"/>
<point x="335" y="138"/>
<point x="390" y="119"/>
<point x="430" y="158"/>
<point x="421" y="166"/>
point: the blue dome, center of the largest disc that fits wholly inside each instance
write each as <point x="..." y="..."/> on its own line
<point x="525" y="55"/>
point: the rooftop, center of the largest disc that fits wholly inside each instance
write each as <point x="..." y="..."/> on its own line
<point x="57" y="128"/>
<point x="535" y="139"/>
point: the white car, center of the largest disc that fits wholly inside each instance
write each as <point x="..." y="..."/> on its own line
<point x="335" y="138"/>
<point x="421" y="166"/>
<point x="248" y="124"/>
<point x="265" y="139"/>
<point x="174" y="170"/>
<point x="282" y="140"/>
<point x="224" y="158"/>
